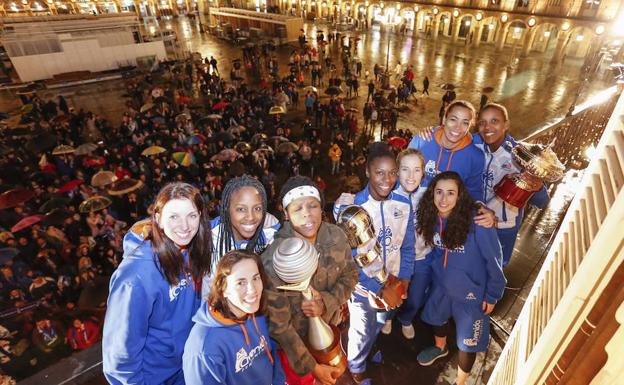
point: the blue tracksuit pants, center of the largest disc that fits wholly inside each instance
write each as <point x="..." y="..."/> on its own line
<point x="365" y="323"/>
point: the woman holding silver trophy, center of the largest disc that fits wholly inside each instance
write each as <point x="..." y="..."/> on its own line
<point x="311" y="274"/>
<point x="380" y="227"/>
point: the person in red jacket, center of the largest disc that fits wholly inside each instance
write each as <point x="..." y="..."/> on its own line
<point x="83" y="334"/>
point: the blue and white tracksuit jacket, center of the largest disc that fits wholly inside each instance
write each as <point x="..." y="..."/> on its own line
<point x="498" y="164"/>
<point x="393" y="221"/>
<point x="465" y="159"/>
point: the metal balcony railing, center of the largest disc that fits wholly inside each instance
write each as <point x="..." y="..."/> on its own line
<point x="584" y="256"/>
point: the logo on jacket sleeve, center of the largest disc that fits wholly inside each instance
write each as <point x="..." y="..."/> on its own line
<point x="430" y="167"/>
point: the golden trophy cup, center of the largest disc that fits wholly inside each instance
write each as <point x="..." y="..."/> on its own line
<point x="358" y="226"/>
<point x="295" y="262"/>
<point x="539" y="163"/>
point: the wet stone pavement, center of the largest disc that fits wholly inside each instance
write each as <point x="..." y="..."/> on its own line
<point x="531" y="88"/>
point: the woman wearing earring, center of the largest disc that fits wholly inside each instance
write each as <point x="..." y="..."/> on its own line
<point x="243" y="223"/>
<point x="155" y="290"/>
<point x="332" y="284"/>
<point x="229" y="344"/>
<point x="468" y="279"/>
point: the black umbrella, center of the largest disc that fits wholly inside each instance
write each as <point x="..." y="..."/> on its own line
<point x="41" y="143"/>
<point x="333" y="90"/>
<point x="224" y="136"/>
<point x="56" y="217"/>
<point x="54" y="203"/>
<point x="448" y="86"/>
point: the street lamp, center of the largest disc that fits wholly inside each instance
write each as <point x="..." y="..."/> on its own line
<point x="385" y="77"/>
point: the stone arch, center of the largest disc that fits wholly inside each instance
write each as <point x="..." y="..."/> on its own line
<point x="491" y="26"/>
<point x="408" y="15"/>
<point x="545" y="37"/>
<point x="466" y="25"/>
<point x="578" y="42"/>
<point x="514" y="32"/>
<point x="444" y="23"/>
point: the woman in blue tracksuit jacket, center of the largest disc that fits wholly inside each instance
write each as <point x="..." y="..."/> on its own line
<point x="243" y="223"/>
<point x="155" y="291"/>
<point x="451" y="149"/>
<point x="496" y="146"/>
<point x="230" y="344"/>
<point x="393" y="222"/>
<point x="468" y="278"/>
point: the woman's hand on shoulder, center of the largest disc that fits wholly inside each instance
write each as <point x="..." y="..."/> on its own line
<point x="345" y="199"/>
<point x="485" y="217"/>
<point x="426" y="133"/>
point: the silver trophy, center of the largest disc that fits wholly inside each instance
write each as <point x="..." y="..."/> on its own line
<point x="295" y="261"/>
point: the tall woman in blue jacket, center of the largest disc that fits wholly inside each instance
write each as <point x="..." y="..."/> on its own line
<point x="466" y="262"/>
<point x="229" y="344"/>
<point x="155" y="291"/>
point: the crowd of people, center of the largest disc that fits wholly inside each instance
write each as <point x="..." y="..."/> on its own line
<point x="185" y="202"/>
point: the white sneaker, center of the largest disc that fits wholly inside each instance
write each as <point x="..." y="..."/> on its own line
<point x="387" y="328"/>
<point x="408" y="331"/>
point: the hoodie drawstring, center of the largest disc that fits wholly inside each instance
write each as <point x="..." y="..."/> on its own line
<point x="442" y="239"/>
<point x="245" y="333"/>
<point x="266" y="347"/>
<point x="448" y="164"/>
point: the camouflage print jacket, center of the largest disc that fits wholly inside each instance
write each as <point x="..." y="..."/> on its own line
<point x="335" y="279"/>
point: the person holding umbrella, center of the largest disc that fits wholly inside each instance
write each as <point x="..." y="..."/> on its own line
<point x="156" y="290"/>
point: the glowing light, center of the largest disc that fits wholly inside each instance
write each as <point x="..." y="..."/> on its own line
<point x="547" y="34"/>
<point x="435" y="11"/>
<point x="590" y="151"/>
<point x="381" y="5"/>
<point x="618" y="25"/>
<point x="455" y="13"/>
<point x="580" y="37"/>
<point x="398" y="6"/>
<point x="479" y="16"/>
<point x="467" y="23"/>
<point x="491" y="26"/>
<point x="600" y="29"/>
<point x="416" y="9"/>
<point x="504" y="18"/>
<point x="565" y="26"/>
<point x="531" y="22"/>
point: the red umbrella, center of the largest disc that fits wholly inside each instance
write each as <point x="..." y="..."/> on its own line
<point x="12" y="198"/>
<point x="220" y="106"/>
<point x="94" y="161"/>
<point x="71" y="185"/>
<point x="26" y="222"/>
<point x="184" y="100"/>
<point x="398" y="142"/>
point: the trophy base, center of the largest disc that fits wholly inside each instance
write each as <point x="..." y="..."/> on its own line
<point x="332" y="355"/>
<point x="510" y="191"/>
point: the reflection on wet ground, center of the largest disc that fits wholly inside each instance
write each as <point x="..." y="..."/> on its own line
<point x="533" y="90"/>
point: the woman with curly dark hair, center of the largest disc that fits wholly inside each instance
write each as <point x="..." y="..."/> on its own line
<point x="466" y="261"/>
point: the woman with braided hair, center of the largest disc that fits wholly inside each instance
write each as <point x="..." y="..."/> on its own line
<point x="243" y="221"/>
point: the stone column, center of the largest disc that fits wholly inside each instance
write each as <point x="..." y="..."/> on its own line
<point x="528" y="41"/>
<point x="455" y="29"/>
<point x="562" y="42"/>
<point x="478" y="32"/>
<point x="502" y="36"/>
<point x="434" y="28"/>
